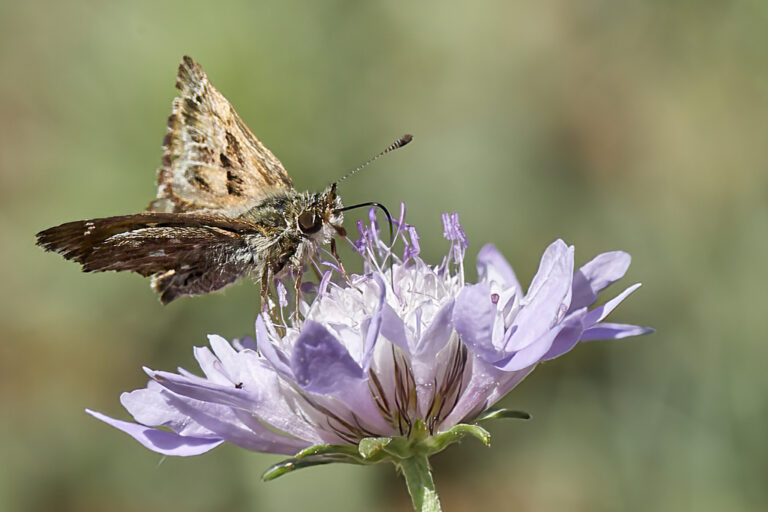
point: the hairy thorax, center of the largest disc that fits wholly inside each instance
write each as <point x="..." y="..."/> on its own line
<point x="290" y="227"/>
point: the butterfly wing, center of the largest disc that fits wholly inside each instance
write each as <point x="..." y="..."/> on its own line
<point x="184" y="254"/>
<point x="211" y="159"/>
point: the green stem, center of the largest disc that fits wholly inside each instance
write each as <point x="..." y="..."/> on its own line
<point x="418" y="478"/>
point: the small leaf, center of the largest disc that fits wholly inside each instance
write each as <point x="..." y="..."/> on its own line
<point x="496" y="414"/>
<point x="327" y="449"/>
<point x="370" y="447"/>
<point x="314" y="456"/>
<point x="289" y="465"/>
<point x="441" y="441"/>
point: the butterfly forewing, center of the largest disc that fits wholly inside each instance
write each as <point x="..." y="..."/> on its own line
<point x="211" y="159"/>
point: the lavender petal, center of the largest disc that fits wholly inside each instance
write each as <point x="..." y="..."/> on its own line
<point x="547" y="299"/>
<point x="228" y="425"/>
<point x="205" y="391"/>
<point x="566" y="339"/>
<point x="609" y="331"/>
<point x="492" y="266"/>
<point x="277" y="359"/>
<point x="149" y="406"/>
<point x="473" y="318"/>
<point x="600" y="312"/>
<point x="321" y="363"/>
<point x="393" y="328"/>
<point x="161" y="441"/>
<point x="437" y="334"/>
<point x="601" y="272"/>
<point x="534" y="352"/>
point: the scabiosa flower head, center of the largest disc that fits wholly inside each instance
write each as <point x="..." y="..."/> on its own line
<point x="390" y="365"/>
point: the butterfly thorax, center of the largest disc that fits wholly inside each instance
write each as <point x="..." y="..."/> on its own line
<point x="291" y="226"/>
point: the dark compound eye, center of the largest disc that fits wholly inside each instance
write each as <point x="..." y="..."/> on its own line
<point x="309" y="223"/>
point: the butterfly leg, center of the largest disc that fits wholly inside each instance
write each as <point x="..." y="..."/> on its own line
<point x="297" y="292"/>
<point x="265" y="289"/>
<point x="338" y="260"/>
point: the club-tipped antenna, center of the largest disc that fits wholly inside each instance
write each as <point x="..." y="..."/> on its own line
<point x="382" y="208"/>
<point x="402" y="141"/>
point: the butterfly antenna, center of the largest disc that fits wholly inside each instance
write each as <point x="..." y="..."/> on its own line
<point x="402" y="141"/>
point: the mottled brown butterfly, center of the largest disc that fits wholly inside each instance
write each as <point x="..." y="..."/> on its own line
<point x="225" y="208"/>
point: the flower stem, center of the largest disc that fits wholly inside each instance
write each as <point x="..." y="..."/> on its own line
<point x="421" y="487"/>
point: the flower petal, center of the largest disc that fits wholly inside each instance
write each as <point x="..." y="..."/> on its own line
<point x="487" y="385"/>
<point x="492" y="266"/>
<point x="393" y="328"/>
<point x="602" y="271"/>
<point x="507" y="381"/>
<point x="608" y="331"/>
<point x="244" y="343"/>
<point x="210" y="365"/>
<point x="600" y="312"/>
<point x="438" y="333"/>
<point x="567" y="338"/>
<point x="276" y="358"/>
<point x="149" y="406"/>
<point x="239" y="427"/>
<point x="473" y="318"/>
<point x="224" y="352"/>
<point x="161" y="441"/>
<point x="371" y="326"/>
<point x="548" y="297"/>
<point x="320" y="363"/>
<point x="205" y="390"/>
<point x="473" y="400"/>
<point x="570" y="328"/>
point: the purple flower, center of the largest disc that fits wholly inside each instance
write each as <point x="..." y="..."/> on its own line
<point x="405" y="353"/>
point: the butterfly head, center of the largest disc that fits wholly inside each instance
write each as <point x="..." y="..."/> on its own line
<point x="322" y="218"/>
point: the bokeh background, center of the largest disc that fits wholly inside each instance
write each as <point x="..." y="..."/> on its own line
<point x="614" y="125"/>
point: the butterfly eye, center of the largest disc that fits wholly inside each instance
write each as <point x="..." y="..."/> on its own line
<point x="309" y="223"/>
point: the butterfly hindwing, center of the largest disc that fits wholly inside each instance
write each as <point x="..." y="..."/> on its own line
<point x="184" y="254"/>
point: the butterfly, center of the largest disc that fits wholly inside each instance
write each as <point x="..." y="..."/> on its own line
<point x="226" y="208"/>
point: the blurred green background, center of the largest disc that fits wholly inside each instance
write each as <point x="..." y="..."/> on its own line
<point x="614" y="125"/>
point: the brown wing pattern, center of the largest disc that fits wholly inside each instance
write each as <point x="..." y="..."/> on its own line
<point x="184" y="254"/>
<point x="211" y="160"/>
